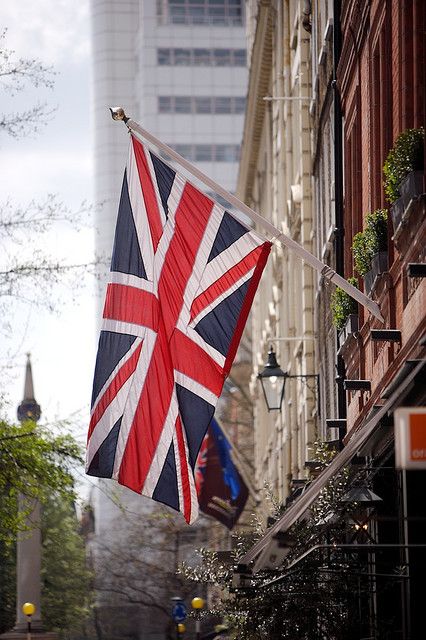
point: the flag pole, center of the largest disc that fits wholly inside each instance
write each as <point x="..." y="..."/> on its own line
<point x="277" y="236"/>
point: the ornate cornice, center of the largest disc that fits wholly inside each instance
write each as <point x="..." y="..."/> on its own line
<point x="259" y="82"/>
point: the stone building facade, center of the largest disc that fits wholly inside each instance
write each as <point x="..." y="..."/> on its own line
<point x="275" y="179"/>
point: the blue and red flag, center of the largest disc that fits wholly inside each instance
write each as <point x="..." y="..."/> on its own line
<point x="222" y="492"/>
<point x="183" y="276"/>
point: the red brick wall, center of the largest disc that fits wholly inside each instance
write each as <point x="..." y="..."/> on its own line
<point x="381" y="78"/>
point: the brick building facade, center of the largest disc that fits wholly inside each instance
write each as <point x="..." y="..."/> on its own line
<point x="381" y="82"/>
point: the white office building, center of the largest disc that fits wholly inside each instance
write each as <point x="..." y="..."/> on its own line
<point x="178" y="67"/>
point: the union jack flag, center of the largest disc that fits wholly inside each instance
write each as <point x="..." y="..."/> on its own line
<point x="183" y="275"/>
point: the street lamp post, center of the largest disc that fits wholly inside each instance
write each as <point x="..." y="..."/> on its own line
<point x="197" y="604"/>
<point x="28" y="609"/>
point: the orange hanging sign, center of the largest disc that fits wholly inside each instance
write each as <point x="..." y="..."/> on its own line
<point x="410" y="438"/>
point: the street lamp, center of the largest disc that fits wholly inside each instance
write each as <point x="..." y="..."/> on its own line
<point x="28" y="609"/>
<point x="272" y="379"/>
<point x="197" y="604"/>
<point x="363" y="501"/>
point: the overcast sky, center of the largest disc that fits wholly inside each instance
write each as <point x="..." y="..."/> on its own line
<point x="57" y="160"/>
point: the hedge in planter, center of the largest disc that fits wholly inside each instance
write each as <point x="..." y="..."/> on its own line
<point x="373" y="240"/>
<point x="342" y="305"/>
<point x="406" y="155"/>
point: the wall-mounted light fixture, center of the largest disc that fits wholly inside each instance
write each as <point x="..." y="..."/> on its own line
<point x="273" y="379"/>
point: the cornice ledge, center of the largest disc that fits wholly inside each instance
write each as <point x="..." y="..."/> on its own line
<point x="259" y="78"/>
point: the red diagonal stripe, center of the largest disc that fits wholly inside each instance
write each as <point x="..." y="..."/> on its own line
<point x="254" y="281"/>
<point x="186" y="489"/>
<point x="225" y="282"/>
<point x="149" y="418"/>
<point x="190" y="223"/>
<point x="129" y="304"/>
<point x="110" y="393"/>
<point x="191" y="219"/>
<point x="193" y="361"/>
<point x="148" y="191"/>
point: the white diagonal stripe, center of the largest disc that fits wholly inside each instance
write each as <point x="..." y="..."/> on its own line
<point x="113" y="412"/>
<point x="195" y="337"/>
<point x="169" y="228"/>
<point x="193" y="490"/>
<point x="236" y="285"/>
<point x="178" y="470"/>
<point x="128" y="328"/>
<point x="162" y="450"/>
<point x="196" y="388"/>
<point x="227" y="259"/>
<point x="135" y="391"/>
<point x="116" y="277"/>
<point x="139" y="213"/>
<point x="193" y="284"/>
<point x="155" y="185"/>
<point x="114" y="372"/>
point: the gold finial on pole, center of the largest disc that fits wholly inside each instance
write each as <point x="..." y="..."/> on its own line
<point x="117" y="113"/>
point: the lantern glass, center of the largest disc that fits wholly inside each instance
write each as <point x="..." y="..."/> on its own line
<point x="272" y="379"/>
<point x="273" y="390"/>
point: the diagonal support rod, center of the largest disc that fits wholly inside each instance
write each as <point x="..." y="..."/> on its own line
<point x="276" y="235"/>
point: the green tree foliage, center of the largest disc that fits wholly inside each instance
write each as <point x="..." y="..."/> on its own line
<point x="35" y="463"/>
<point x="406" y="155"/>
<point x="7" y="586"/>
<point x="66" y="578"/>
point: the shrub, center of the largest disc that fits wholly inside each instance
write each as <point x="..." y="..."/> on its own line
<point x="406" y="155"/>
<point x="342" y="305"/>
<point x="373" y="239"/>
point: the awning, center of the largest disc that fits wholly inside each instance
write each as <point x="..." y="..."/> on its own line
<point x="358" y="439"/>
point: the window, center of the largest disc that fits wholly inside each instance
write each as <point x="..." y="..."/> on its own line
<point x="184" y="150"/>
<point x="164" y="56"/>
<point x="182" y="104"/>
<point x="182" y="57"/>
<point x="222" y="105"/>
<point x="208" y="152"/>
<point x="203" y="104"/>
<point x="222" y="57"/>
<point x="239" y="57"/>
<point x="239" y="105"/>
<point x="164" y="104"/>
<point x="199" y="12"/>
<point x="203" y="152"/>
<point x="227" y="153"/>
<point x="202" y="57"/>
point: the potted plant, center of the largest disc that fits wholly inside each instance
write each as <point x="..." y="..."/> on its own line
<point x="404" y="172"/>
<point x="345" y="311"/>
<point x="370" y="246"/>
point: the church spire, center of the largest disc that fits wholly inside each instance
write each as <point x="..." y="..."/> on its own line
<point x="29" y="409"/>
